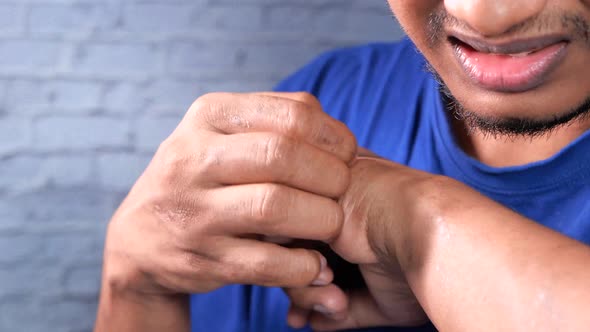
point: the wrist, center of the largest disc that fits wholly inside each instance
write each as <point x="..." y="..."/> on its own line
<point x="425" y="205"/>
<point x="134" y="312"/>
<point x="124" y="306"/>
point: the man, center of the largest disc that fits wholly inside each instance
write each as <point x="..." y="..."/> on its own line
<point x="476" y="219"/>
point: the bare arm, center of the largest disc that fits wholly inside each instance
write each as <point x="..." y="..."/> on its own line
<point x="476" y="265"/>
<point x="424" y="241"/>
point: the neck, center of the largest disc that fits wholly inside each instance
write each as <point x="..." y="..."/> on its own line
<point x="501" y="151"/>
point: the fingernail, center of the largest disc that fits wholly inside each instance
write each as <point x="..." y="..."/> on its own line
<point x="321" y="309"/>
<point x="324" y="277"/>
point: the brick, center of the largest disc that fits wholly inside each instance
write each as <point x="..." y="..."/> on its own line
<point x="11" y="20"/>
<point x="357" y="25"/>
<point x="81" y="133"/>
<point x="232" y="18"/>
<point x="197" y="57"/>
<point x="289" y="17"/>
<point x="125" y="98"/>
<point x="10" y="215"/>
<point x="82" y="280"/>
<point x="29" y="279"/>
<point x="119" y="171"/>
<point x="280" y="58"/>
<point x="160" y="18"/>
<point x="65" y="313"/>
<point x="152" y="131"/>
<point x="25" y="173"/>
<point x="14" y="248"/>
<point x="72" y="248"/>
<point x="75" y="96"/>
<point x="66" y="171"/>
<point x="234" y="85"/>
<point x="118" y="59"/>
<point x="171" y="96"/>
<point x="57" y="206"/>
<point x="352" y="21"/>
<point x="27" y="55"/>
<point x="27" y="96"/>
<point x="20" y="173"/>
<point x="63" y="20"/>
<point x="15" y="134"/>
<point x="16" y="311"/>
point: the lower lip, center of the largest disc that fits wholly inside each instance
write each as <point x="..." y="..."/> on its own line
<point x="505" y="73"/>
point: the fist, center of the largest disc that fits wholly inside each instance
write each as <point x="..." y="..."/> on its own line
<point x="238" y="168"/>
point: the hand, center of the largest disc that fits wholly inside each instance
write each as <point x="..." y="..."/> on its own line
<point x="239" y="166"/>
<point x="379" y="208"/>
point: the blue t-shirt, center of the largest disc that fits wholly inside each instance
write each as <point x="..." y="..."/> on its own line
<point x="393" y="106"/>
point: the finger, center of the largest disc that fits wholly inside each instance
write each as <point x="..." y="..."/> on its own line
<point x="268" y="157"/>
<point x="246" y="261"/>
<point x="300" y="96"/>
<point x="328" y="300"/>
<point x="362" y="152"/>
<point x="297" y="317"/>
<point x="274" y="210"/>
<point x="232" y="113"/>
<point x="363" y="312"/>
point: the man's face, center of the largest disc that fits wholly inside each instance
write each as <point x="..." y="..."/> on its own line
<point x="511" y="63"/>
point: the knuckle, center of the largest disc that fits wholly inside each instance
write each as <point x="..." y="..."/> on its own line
<point x="207" y="107"/>
<point x="307" y="269"/>
<point x="269" y="205"/>
<point x="208" y="160"/>
<point x="177" y="162"/>
<point x="197" y="264"/>
<point x="334" y="221"/>
<point x="171" y="161"/>
<point x="349" y="145"/>
<point x="276" y="149"/>
<point x="201" y="105"/>
<point x="204" y="102"/>
<point x="307" y="98"/>
<point x="342" y="177"/>
<point x="297" y="117"/>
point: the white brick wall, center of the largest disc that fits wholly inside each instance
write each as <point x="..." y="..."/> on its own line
<point x="88" y="89"/>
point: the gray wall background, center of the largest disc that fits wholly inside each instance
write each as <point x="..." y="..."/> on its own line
<point x="88" y="89"/>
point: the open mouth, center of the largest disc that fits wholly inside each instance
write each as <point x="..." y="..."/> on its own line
<point x="518" y="66"/>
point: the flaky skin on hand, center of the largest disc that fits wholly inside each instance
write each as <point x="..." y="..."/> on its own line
<point x="237" y="168"/>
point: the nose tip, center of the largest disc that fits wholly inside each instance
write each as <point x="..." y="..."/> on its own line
<point x="494" y="17"/>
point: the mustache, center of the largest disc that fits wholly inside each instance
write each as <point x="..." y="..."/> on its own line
<point x="574" y="25"/>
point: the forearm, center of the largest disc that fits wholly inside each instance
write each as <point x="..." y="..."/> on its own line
<point x="476" y="265"/>
<point x="123" y="312"/>
<point x="124" y="305"/>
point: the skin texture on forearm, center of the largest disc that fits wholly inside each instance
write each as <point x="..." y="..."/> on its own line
<point x="476" y="265"/>
<point x="130" y="313"/>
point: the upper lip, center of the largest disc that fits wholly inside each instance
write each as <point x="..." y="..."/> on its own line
<point x="514" y="46"/>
